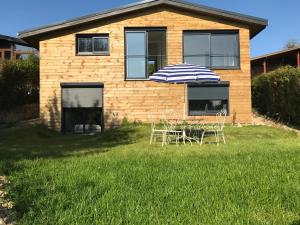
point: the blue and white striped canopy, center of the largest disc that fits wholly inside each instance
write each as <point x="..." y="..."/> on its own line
<point x="184" y="73"/>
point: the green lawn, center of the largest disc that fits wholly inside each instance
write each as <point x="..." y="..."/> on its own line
<point x="118" y="178"/>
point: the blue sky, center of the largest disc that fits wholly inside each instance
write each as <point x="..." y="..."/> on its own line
<point x="283" y="16"/>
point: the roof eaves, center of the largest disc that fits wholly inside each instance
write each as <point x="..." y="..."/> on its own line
<point x="14" y="40"/>
<point x="224" y="13"/>
<point x="141" y="5"/>
<point x="275" y="53"/>
<point x="87" y="18"/>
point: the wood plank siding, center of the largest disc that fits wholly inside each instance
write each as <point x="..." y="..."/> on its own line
<point x="272" y="61"/>
<point x="136" y="99"/>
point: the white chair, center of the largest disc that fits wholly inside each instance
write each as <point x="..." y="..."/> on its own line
<point x="171" y="134"/>
<point x="155" y="132"/>
<point x="195" y="133"/>
<point x="221" y="118"/>
<point x="216" y="129"/>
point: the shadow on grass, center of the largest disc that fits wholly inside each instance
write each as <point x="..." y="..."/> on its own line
<point x="29" y="142"/>
<point x="40" y="142"/>
<point x="297" y="222"/>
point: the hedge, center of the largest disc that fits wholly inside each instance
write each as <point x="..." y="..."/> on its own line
<point x="19" y="82"/>
<point x="277" y="94"/>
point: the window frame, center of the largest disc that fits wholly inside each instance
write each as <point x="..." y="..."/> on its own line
<point x="93" y="37"/>
<point x="140" y="30"/>
<point x="5" y="55"/>
<point x="215" y="32"/>
<point x="225" y="84"/>
<point x="145" y="56"/>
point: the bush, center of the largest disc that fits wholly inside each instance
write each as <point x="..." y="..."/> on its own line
<point x="19" y="82"/>
<point x="277" y="94"/>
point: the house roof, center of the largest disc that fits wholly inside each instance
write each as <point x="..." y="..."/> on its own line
<point x="13" y="40"/>
<point x="274" y="54"/>
<point x="256" y="24"/>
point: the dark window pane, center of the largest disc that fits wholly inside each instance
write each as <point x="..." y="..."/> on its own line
<point x="224" y="50"/>
<point x="155" y="63"/>
<point x="207" y="100"/>
<point x="198" y="60"/>
<point x="85" y="45"/>
<point x="0" y="55"/>
<point x="92" y="43"/>
<point x="7" y="55"/>
<point x="207" y="93"/>
<point x="135" y="43"/>
<point x="100" y="44"/>
<point x="211" y="50"/>
<point x="224" y="45"/>
<point x="156" y="51"/>
<point x="227" y="61"/>
<point x="196" y="44"/>
<point x="204" y="107"/>
<point x="156" y="43"/>
<point x="82" y="120"/>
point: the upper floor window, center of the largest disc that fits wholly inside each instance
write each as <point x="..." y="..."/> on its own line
<point x="145" y="52"/>
<point x="217" y="50"/>
<point x="92" y="44"/>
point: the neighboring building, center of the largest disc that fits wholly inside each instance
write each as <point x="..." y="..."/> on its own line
<point x="115" y="52"/>
<point x="269" y="62"/>
<point x="14" y="48"/>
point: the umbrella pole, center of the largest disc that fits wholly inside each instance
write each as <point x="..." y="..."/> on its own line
<point x="184" y="108"/>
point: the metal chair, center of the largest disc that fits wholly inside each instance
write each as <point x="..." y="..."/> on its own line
<point x="171" y="133"/>
<point x="216" y="129"/>
<point x="193" y="133"/>
<point x="155" y="132"/>
<point x="221" y="118"/>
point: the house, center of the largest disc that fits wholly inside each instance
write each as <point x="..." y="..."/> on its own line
<point x="269" y="62"/>
<point x="97" y="66"/>
<point x="13" y="48"/>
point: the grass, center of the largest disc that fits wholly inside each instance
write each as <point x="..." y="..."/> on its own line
<point x="118" y="178"/>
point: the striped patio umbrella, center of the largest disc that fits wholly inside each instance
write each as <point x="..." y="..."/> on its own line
<point x="185" y="74"/>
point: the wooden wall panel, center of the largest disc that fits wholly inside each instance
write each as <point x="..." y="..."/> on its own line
<point x="135" y="99"/>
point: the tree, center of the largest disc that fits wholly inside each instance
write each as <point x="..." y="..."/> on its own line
<point x="292" y="44"/>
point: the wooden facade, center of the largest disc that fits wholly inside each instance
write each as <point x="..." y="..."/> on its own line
<point x="272" y="61"/>
<point x="8" y="50"/>
<point x="135" y="100"/>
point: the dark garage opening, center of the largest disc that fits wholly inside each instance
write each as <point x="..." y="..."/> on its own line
<point x="82" y="107"/>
